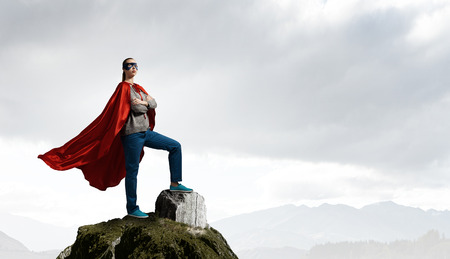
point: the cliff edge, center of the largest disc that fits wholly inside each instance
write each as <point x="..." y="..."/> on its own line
<point x="178" y="229"/>
<point x="152" y="237"/>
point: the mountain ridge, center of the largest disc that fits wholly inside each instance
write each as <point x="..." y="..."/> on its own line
<point x="304" y="227"/>
<point x="30" y="232"/>
<point x="13" y="249"/>
<point x="8" y="243"/>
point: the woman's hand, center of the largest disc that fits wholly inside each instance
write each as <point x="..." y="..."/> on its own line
<point x="136" y="101"/>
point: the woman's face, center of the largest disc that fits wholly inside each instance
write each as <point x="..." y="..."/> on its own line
<point x="130" y="68"/>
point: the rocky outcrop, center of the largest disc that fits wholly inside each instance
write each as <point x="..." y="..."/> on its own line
<point x="153" y="237"/>
<point x="188" y="208"/>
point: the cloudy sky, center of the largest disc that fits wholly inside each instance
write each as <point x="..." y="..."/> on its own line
<point x="274" y="101"/>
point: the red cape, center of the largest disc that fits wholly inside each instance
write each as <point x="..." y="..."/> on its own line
<point x="98" y="150"/>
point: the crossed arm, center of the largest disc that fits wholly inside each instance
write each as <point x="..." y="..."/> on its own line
<point x="141" y="106"/>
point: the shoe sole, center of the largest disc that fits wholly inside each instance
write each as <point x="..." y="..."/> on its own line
<point x="139" y="217"/>
<point x="180" y="191"/>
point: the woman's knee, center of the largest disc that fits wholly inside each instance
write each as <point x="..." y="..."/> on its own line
<point x="175" y="146"/>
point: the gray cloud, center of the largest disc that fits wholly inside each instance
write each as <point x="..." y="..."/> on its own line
<point x="246" y="76"/>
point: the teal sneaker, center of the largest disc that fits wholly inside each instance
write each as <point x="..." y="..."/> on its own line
<point x="138" y="214"/>
<point x="180" y="188"/>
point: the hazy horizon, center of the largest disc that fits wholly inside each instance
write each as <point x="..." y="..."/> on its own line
<point x="279" y="229"/>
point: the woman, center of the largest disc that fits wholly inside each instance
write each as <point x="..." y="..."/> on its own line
<point x="137" y="133"/>
<point x="111" y="147"/>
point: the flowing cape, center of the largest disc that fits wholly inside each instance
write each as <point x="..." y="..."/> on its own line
<point x="98" y="150"/>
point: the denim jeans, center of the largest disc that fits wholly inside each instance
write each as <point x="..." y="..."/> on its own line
<point x="132" y="147"/>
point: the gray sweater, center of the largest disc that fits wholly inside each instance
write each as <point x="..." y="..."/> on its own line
<point x="137" y="119"/>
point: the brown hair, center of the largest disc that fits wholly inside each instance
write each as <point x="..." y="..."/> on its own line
<point x="123" y="63"/>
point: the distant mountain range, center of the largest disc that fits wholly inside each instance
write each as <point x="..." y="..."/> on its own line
<point x="35" y="235"/>
<point x="294" y="229"/>
<point x="432" y="245"/>
<point x="285" y="232"/>
<point x="13" y="249"/>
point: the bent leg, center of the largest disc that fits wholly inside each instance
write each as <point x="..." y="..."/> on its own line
<point x="159" y="141"/>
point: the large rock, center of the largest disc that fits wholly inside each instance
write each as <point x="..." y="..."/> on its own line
<point x="152" y="237"/>
<point x="188" y="208"/>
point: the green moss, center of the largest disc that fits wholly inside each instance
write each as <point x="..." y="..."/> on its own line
<point x="148" y="238"/>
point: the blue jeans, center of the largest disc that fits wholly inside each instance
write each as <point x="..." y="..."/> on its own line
<point x="132" y="147"/>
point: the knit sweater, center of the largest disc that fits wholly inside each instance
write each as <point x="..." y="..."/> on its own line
<point x="137" y="119"/>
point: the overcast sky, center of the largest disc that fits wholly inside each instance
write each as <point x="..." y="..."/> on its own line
<point x="274" y="102"/>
